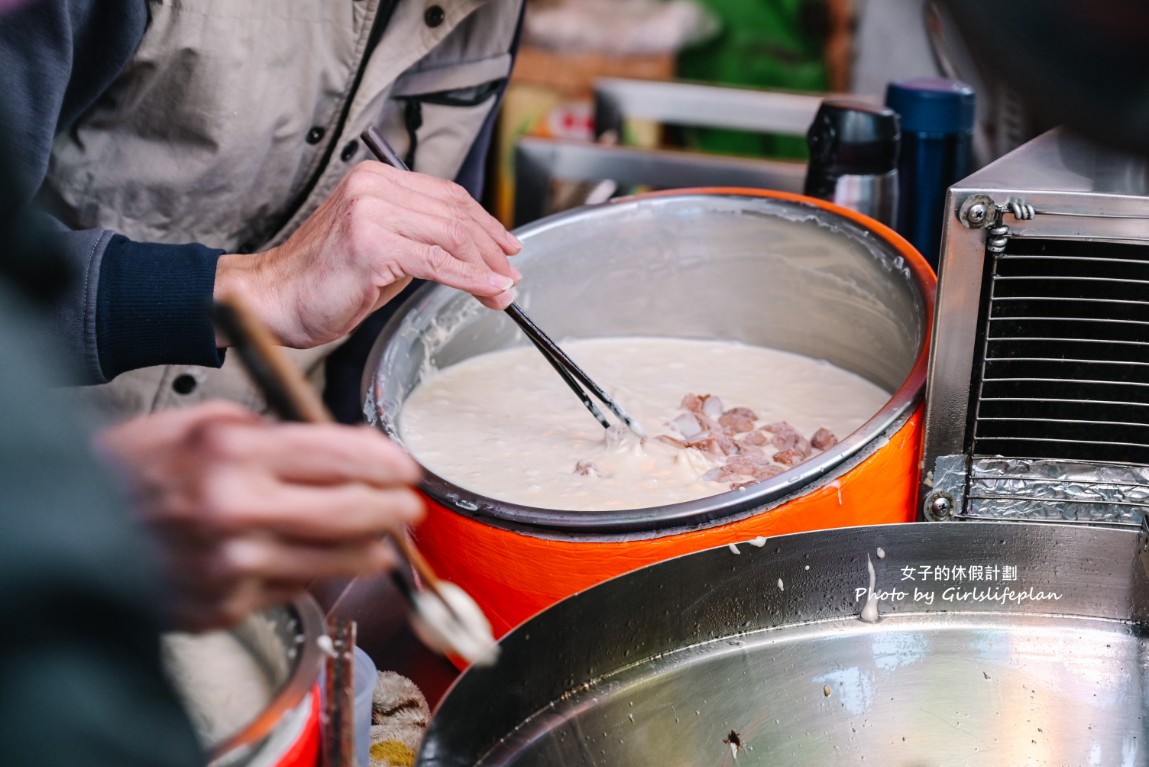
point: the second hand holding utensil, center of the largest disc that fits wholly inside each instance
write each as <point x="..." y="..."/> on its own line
<point x="445" y="617"/>
<point x="571" y="373"/>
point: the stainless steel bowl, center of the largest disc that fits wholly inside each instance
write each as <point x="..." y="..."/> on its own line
<point x="712" y="264"/>
<point x="283" y="643"/>
<point x="669" y="664"/>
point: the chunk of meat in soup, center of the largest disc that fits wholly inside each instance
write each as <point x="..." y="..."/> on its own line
<point x="745" y="452"/>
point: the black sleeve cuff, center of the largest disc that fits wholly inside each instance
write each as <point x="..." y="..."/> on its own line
<point x="153" y="306"/>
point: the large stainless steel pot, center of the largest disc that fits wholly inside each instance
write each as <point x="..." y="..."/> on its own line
<point x="778" y="271"/>
<point x="764" y="646"/>
<point x="746" y="265"/>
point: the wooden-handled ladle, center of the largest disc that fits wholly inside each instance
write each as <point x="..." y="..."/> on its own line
<point x="444" y="616"/>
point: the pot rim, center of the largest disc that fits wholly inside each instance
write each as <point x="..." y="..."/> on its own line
<point x="300" y="681"/>
<point x="700" y="512"/>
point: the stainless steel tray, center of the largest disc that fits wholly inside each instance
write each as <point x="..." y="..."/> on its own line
<point x="1044" y="663"/>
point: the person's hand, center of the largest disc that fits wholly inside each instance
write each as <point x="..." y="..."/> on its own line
<point x="248" y="512"/>
<point x="380" y="228"/>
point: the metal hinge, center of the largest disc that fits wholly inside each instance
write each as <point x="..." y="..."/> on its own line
<point x="979" y="211"/>
<point x="947" y="488"/>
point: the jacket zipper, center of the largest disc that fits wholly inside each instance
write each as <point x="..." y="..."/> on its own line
<point x="382" y="18"/>
<point x="457" y="97"/>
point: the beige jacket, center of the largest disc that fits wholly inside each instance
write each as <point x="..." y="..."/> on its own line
<point x="236" y="118"/>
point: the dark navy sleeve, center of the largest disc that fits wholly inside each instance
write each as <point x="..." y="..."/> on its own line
<point x="153" y="306"/>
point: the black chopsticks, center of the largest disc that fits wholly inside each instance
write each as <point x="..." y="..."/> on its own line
<point x="571" y="373"/>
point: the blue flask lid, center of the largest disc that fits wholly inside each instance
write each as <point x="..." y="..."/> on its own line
<point x="932" y="104"/>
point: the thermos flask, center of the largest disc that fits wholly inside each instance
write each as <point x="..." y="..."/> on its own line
<point x="853" y="157"/>
<point x="937" y="118"/>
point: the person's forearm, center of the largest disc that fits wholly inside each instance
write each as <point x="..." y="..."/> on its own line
<point x="379" y="229"/>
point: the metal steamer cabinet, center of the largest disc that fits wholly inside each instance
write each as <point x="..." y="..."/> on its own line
<point x="1037" y="400"/>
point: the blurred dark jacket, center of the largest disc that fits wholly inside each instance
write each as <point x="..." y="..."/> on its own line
<point x="81" y="680"/>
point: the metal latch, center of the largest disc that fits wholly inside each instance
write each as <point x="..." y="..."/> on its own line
<point x="1143" y="541"/>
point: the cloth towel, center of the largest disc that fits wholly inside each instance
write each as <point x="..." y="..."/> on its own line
<point x="399" y="716"/>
